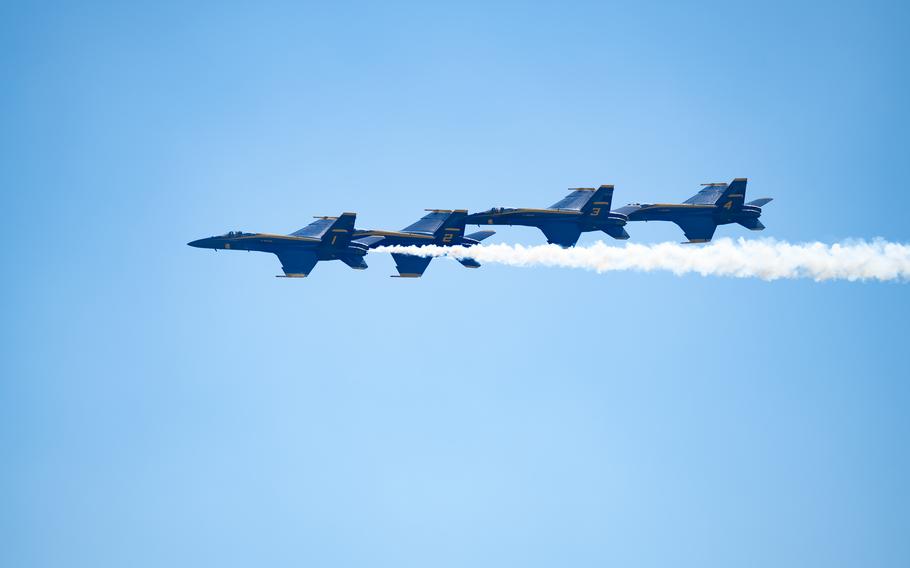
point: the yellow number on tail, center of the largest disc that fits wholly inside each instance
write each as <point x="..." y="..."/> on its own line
<point x="728" y="205"/>
<point x="595" y="212"/>
<point x="448" y="237"/>
<point x="333" y="239"/>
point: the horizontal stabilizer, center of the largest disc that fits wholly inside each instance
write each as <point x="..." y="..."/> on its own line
<point x="481" y="235"/>
<point x="616" y="232"/>
<point x="469" y="263"/>
<point x="354" y="261"/>
<point x="761" y="202"/>
<point x="369" y="242"/>
<point x="752" y="224"/>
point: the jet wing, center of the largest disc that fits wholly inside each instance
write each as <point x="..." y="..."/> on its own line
<point x="698" y="229"/>
<point x="410" y="266"/>
<point x="576" y="200"/>
<point x="562" y="234"/>
<point x="297" y="264"/>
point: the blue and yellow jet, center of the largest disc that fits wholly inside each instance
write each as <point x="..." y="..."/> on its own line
<point x="698" y="217"/>
<point x="441" y="227"/>
<point x="584" y="209"/>
<point x="328" y="238"/>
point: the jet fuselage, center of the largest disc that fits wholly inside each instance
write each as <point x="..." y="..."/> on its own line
<point x="679" y="211"/>
<point x="266" y="242"/>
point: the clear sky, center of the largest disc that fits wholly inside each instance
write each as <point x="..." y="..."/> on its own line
<point x="167" y="406"/>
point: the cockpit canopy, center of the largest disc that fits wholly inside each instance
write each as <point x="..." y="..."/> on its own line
<point x="230" y="234"/>
<point x="498" y="210"/>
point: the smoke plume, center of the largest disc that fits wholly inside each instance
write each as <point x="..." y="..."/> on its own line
<point x="767" y="259"/>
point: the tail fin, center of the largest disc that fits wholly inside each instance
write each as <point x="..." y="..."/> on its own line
<point x="451" y="228"/>
<point x="339" y="233"/>
<point x="600" y="202"/>
<point x="332" y="231"/>
<point x="734" y="196"/>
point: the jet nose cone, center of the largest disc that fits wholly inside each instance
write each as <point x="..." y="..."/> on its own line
<point x="201" y="243"/>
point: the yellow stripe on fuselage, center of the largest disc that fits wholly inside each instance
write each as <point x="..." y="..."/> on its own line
<point x="550" y="211"/>
<point x="271" y="236"/>
<point x="676" y="206"/>
<point x="392" y="234"/>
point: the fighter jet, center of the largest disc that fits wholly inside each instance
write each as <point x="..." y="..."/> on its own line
<point x="442" y="227"/>
<point x="698" y="217"/>
<point x="329" y="238"/>
<point x="584" y="209"/>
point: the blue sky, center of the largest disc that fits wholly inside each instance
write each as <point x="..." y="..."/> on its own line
<point x="163" y="405"/>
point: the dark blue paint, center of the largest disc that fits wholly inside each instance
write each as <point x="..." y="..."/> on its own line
<point x="699" y="216"/>
<point x="329" y="238"/>
<point x="581" y="211"/>
<point x="439" y="227"/>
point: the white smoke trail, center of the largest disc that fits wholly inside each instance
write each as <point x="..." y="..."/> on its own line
<point x="767" y="259"/>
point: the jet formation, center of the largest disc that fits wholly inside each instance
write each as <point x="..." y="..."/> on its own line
<point x="582" y="210"/>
